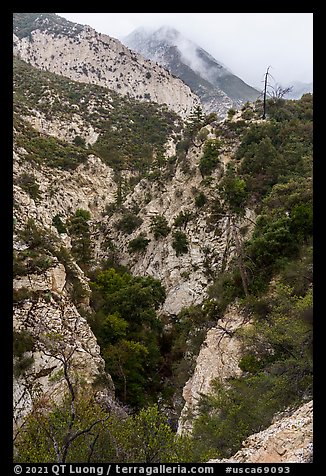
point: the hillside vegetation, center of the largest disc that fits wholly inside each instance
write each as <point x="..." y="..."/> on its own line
<point x="130" y="133"/>
<point x="150" y="356"/>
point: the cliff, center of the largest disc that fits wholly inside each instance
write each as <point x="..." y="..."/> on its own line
<point x="288" y="440"/>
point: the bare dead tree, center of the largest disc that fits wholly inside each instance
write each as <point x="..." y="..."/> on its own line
<point x="265" y="93"/>
<point x="277" y="92"/>
<point x="63" y="353"/>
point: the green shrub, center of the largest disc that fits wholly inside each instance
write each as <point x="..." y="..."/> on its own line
<point x="231" y="413"/>
<point x="22" y="364"/>
<point x="79" y="230"/>
<point x="28" y="183"/>
<point x="58" y="223"/>
<point x="182" y="219"/>
<point x="84" y="214"/>
<point x="247" y="114"/>
<point x="128" y="330"/>
<point x="144" y="437"/>
<point x="182" y="148"/>
<point x="231" y="113"/>
<point x="33" y="235"/>
<point x="49" y="150"/>
<point x="180" y="242"/>
<point x="20" y="267"/>
<point x="21" y="294"/>
<point x="128" y="223"/>
<point x="210" y="158"/>
<point x="233" y="190"/>
<point x="78" y="292"/>
<point x="79" y="141"/>
<point x="23" y="341"/>
<point x="277" y="361"/>
<point x="147" y="437"/>
<point x="138" y="244"/>
<point x="159" y="227"/>
<point x="200" y="199"/>
<point x="250" y="363"/>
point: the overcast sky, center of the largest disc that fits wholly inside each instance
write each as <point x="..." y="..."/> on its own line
<point x="246" y="43"/>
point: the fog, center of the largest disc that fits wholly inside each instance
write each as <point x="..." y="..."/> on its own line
<point x="246" y="43"/>
<point x="189" y="50"/>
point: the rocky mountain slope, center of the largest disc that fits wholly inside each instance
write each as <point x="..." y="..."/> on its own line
<point x="219" y="357"/>
<point x="298" y="89"/>
<point x="50" y="43"/>
<point x="54" y="177"/>
<point x="217" y="87"/>
<point x="288" y="440"/>
<point x="120" y="202"/>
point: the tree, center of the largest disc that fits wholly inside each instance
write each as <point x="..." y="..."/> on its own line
<point x="195" y="121"/>
<point x="210" y="158"/>
<point x="159" y="226"/>
<point x="230" y="203"/>
<point x="276" y="92"/>
<point x="128" y="223"/>
<point x="200" y="199"/>
<point x="265" y="93"/>
<point x="277" y="365"/>
<point x="79" y="230"/>
<point x="128" y="331"/>
<point x="126" y="363"/>
<point x="180" y="242"/>
<point x="233" y="190"/>
<point x="182" y="219"/>
<point x="138" y="244"/>
<point x="148" y="438"/>
<point x="57" y="427"/>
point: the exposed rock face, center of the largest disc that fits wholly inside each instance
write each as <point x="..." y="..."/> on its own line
<point x="60" y="332"/>
<point x="64" y="130"/>
<point x="93" y="186"/>
<point x="218" y="358"/>
<point x="50" y="310"/>
<point x="90" y="186"/>
<point x="217" y="87"/>
<point x="53" y="279"/>
<point x="288" y="440"/>
<point x="104" y="61"/>
<point x="210" y="247"/>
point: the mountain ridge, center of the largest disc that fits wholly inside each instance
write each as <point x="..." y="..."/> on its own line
<point x="49" y="42"/>
<point x="148" y="252"/>
<point x="206" y="76"/>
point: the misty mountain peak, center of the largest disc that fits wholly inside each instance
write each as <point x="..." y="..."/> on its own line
<point x="218" y="88"/>
<point x="167" y="33"/>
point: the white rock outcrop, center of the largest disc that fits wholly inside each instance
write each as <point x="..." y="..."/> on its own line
<point x="53" y="279"/>
<point x="91" y="186"/>
<point x="288" y="440"/>
<point x="60" y="333"/>
<point x="105" y="61"/>
<point x="218" y="358"/>
<point x="210" y="247"/>
<point x="62" y="129"/>
<point x="59" y="330"/>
